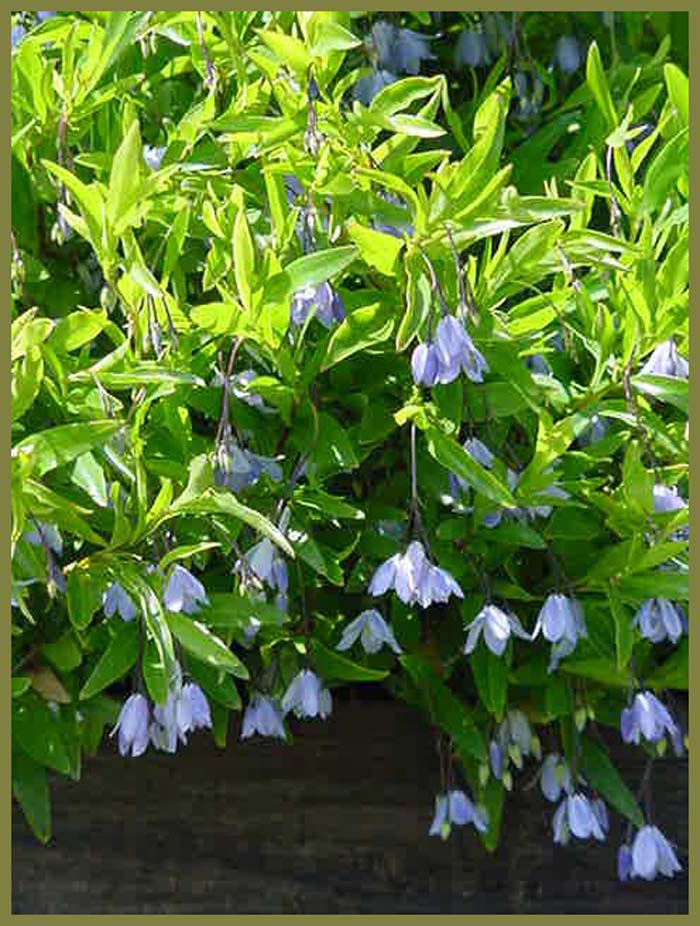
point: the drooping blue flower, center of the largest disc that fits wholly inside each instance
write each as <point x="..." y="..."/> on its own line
<point x="115" y="600"/>
<point x="457" y="352"/>
<point x="307" y="697"/>
<point x="369" y="86"/>
<point x="264" y="717"/>
<point x="372" y="631"/>
<point x="515" y="738"/>
<point x="651" y="855"/>
<point x="497" y="627"/>
<point x="328" y="305"/>
<point x="578" y="816"/>
<point x="624" y="863"/>
<point x="567" y="54"/>
<point x="561" y="622"/>
<point x="183" y="592"/>
<point x="153" y="156"/>
<point x="472" y="50"/>
<point x="455" y="809"/>
<point x="667" y="499"/>
<point x="425" y="364"/>
<point x="659" y="619"/>
<point x="16" y="35"/>
<point x="666" y="361"/>
<point x="414" y="578"/>
<point x="239" y="388"/>
<point x="399" y="50"/>
<point x="267" y="564"/>
<point x="238" y="468"/>
<point x="200" y="712"/>
<point x="496" y="759"/>
<point x="132" y="726"/>
<point x="555" y="777"/>
<point x="648" y="718"/>
<point x="595" y="432"/>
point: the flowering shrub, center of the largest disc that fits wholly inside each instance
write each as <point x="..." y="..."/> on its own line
<point x="320" y="378"/>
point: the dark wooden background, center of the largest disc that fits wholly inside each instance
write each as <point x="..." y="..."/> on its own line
<point x="335" y="823"/>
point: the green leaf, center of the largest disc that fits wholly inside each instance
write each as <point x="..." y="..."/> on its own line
<point x="602" y="775"/>
<point x="309" y="270"/>
<point x="598" y="84"/>
<point x="243" y="258"/>
<point x="455" y="459"/>
<point x="324" y="505"/>
<point x="664" y="171"/>
<point x="677" y="86"/>
<point x="216" y="685"/>
<point x="197" y="639"/>
<point x="673" y="585"/>
<point x="418" y="301"/>
<point x="673" y="673"/>
<point x="118" y="658"/>
<point x="84" y="590"/>
<point x="331" y="36"/>
<point x="445" y="708"/>
<point x="155" y="670"/>
<point x="220" y="501"/>
<point x="20" y="684"/>
<point x="624" y="634"/>
<point x="124" y="179"/>
<point x="362" y="328"/>
<point x="332" y="666"/>
<point x="669" y="389"/>
<point x="31" y="791"/>
<point x="77" y="329"/>
<point x="288" y="49"/>
<point x="377" y="249"/>
<point x="637" y="483"/>
<point x="57" y="446"/>
<point x="37" y="730"/>
<point x="185" y="551"/>
<point x="234" y="611"/>
<point x="491" y="676"/>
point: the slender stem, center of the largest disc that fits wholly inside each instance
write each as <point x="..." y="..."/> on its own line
<point x="615" y="213"/>
<point x="435" y="283"/>
<point x="211" y="71"/>
<point x="414" y="469"/>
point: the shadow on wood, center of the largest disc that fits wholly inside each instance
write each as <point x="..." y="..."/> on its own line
<point x="335" y="823"/>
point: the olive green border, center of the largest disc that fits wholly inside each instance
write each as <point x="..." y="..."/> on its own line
<point x="5" y="412"/>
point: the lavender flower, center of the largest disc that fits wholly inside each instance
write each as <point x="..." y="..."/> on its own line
<point x="667" y="499"/>
<point x="648" y="718"/>
<point x="595" y="432"/>
<point x="373" y="632"/>
<point x="368" y="87"/>
<point x="457" y="352"/>
<point x="116" y="600"/>
<point x="515" y="738"/>
<point x="239" y="388"/>
<point x="651" y="855"/>
<point x="496" y="759"/>
<point x="471" y="50"/>
<point x="455" y="809"/>
<point x="183" y="592"/>
<point x="561" y="622"/>
<point x="414" y="578"/>
<point x="307" y="697"/>
<point x="267" y="565"/>
<point x="237" y="468"/>
<point x="153" y="156"/>
<point x="624" y="863"/>
<point x="425" y="364"/>
<point x="580" y="817"/>
<point x="186" y="708"/>
<point x="666" y="361"/>
<point x="132" y="726"/>
<point x="659" y="619"/>
<point x="399" y="50"/>
<point x="567" y="53"/>
<point x="497" y="627"/>
<point x="263" y="716"/>
<point x="327" y="303"/>
<point x="555" y="777"/>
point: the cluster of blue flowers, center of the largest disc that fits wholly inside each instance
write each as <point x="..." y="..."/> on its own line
<point x="141" y="723"/>
<point x="451" y="352"/>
